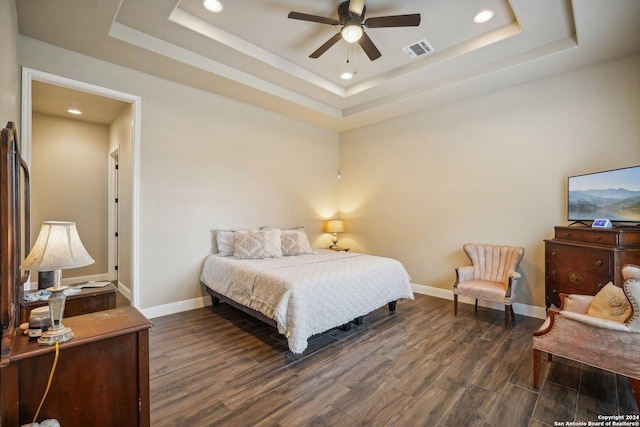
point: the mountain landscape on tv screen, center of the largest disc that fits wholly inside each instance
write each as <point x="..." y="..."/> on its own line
<point x="616" y="204"/>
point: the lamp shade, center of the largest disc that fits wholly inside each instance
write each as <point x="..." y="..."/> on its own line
<point x="334" y="226"/>
<point x="58" y="247"/>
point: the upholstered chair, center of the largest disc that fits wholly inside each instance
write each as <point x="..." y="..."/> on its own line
<point x="575" y="333"/>
<point x="491" y="277"/>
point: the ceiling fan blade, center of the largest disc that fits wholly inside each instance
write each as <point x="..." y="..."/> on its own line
<point x="369" y="48"/>
<point x="312" y="18"/>
<point x="356" y="6"/>
<point x="322" y="49"/>
<point x="393" y="21"/>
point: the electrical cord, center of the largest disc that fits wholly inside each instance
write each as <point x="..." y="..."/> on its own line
<point x="53" y="370"/>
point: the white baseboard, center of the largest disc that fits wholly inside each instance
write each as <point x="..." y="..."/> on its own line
<point x="176" y="307"/>
<point x="523" y="309"/>
<point x="126" y="292"/>
<point x="192" y="304"/>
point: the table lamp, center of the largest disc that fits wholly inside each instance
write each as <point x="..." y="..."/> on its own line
<point x="334" y="226"/>
<point x="58" y="247"/>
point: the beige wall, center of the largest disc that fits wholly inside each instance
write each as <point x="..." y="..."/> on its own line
<point x="69" y="182"/>
<point x="489" y="169"/>
<point x="121" y="137"/>
<point x="9" y="69"/>
<point x="207" y="162"/>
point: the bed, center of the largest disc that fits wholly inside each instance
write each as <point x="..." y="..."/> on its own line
<point x="308" y="293"/>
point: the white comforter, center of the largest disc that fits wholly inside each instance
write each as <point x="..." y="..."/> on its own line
<point x="309" y="294"/>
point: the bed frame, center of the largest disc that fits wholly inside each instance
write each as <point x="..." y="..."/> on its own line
<point x="217" y="298"/>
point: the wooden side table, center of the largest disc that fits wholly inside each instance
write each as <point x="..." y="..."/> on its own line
<point x="89" y="300"/>
<point x="101" y="378"/>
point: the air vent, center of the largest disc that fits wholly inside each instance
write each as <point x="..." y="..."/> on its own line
<point x="418" y="49"/>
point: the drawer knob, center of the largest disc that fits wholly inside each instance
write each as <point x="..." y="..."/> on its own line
<point x="600" y="285"/>
<point x="567" y="234"/>
<point x="598" y="237"/>
<point x="553" y="273"/>
<point x="553" y="291"/>
<point x="553" y="253"/>
<point x="599" y="262"/>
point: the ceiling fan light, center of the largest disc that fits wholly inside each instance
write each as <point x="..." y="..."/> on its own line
<point x="351" y="33"/>
<point x="346" y="76"/>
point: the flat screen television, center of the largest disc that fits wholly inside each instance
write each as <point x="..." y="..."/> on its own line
<point x="612" y="194"/>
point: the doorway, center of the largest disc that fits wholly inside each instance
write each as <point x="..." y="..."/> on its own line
<point x="122" y="183"/>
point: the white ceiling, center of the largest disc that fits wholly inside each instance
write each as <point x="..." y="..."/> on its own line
<point x="253" y="53"/>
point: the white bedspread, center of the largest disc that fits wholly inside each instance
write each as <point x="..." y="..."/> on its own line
<point x="309" y="294"/>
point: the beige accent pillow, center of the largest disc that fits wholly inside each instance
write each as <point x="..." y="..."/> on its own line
<point x="295" y="242"/>
<point x="250" y="244"/>
<point x="610" y="303"/>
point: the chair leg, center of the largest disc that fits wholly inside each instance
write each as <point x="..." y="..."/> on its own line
<point x="513" y="315"/>
<point x="455" y="305"/>
<point x="506" y="317"/>
<point x="476" y="305"/>
<point x="536" y="367"/>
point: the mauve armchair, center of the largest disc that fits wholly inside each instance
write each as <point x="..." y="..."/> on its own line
<point x="606" y="344"/>
<point x="491" y="277"/>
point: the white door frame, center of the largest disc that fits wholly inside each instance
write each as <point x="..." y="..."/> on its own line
<point x="28" y="75"/>
<point x="112" y="229"/>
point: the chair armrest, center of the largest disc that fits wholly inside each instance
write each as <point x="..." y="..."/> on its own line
<point x="464" y="274"/>
<point x="575" y="303"/>
<point x="547" y="325"/>
<point x="631" y="288"/>
<point x="513" y="280"/>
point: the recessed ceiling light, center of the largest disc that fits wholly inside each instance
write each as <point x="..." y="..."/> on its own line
<point x="346" y="76"/>
<point x="74" y="111"/>
<point x="483" y="16"/>
<point x="213" y="5"/>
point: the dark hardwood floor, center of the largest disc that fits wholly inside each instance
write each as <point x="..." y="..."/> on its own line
<point x="420" y="366"/>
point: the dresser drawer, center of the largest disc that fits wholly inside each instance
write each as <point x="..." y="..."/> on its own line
<point x="587" y="236"/>
<point x="585" y="259"/>
<point x="573" y="281"/>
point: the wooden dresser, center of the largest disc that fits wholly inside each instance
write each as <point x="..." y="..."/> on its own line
<point x="101" y="378"/>
<point x="581" y="260"/>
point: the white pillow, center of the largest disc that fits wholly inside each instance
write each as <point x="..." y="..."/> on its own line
<point x="250" y="244"/>
<point x="226" y="240"/>
<point x="273" y="242"/>
<point x="295" y="242"/>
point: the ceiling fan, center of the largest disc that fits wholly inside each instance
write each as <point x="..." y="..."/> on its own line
<point x="351" y="17"/>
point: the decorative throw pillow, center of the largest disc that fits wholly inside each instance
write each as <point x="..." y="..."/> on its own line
<point x="610" y="303"/>
<point x="250" y="244"/>
<point x="226" y="240"/>
<point x="295" y="242"/>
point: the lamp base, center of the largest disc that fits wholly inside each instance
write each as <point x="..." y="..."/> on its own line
<point x="51" y="336"/>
